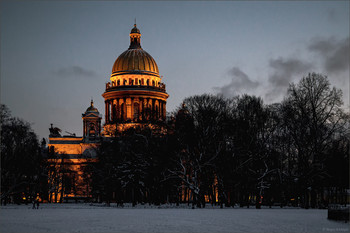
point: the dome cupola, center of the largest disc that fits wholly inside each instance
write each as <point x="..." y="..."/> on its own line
<point x="91" y="123"/>
<point x="135" y="60"/>
<point x="135" y="38"/>
<point x="91" y="108"/>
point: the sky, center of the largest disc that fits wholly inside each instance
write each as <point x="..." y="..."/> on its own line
<point x="57" y="55"/>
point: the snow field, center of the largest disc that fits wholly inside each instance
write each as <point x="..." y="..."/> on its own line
<point x="86" y="218"/>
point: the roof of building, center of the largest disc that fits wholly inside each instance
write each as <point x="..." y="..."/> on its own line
<point x="135" y="59"/>
<point x="91" y="108"/>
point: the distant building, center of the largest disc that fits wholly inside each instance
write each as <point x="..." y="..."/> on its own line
<point x="135" y="96"/>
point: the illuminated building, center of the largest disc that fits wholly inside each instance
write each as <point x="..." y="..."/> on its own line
<point x="69" y="156"/>
<point x="135" y="96"/>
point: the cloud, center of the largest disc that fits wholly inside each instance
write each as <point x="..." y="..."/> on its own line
<point x="334" y="53"/>
<point x="75" y="71"/>
<point x="332" y="59"/>
<point x="240" y="83"/>
<point x="284" y="71"/>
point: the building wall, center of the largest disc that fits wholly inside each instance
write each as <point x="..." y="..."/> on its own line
<point x="68" y="175"/>
<point x="67" y="145"/>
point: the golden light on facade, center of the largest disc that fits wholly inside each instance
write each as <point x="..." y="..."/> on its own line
<point x="135" y="94"/>
<point x="70" y="156"/>
<point x="134" y="97"/>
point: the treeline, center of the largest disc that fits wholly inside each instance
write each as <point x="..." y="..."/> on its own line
<point x="23" y="174"/>
<point x="224" y="151"/>
<point x="234" y="151"/>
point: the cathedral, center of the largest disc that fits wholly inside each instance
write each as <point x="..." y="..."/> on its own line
<point x="135" y="96"/>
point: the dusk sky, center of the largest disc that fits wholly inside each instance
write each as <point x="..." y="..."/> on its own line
<point x="56" y="56"/>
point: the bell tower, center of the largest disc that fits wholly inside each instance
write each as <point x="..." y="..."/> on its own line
<point x="91" y="123"/>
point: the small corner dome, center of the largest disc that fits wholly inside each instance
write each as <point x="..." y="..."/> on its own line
<point x="91" y="108"/>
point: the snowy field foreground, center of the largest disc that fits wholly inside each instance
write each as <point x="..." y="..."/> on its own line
<point x="86" y="218"/>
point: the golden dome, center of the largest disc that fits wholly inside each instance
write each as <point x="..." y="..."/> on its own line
<point x="135" y="60"/>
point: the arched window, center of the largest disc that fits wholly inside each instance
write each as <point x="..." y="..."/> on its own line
<point x="118" y="82"/>
<point x="153" y="83"/>
<point x="147" y="82"/>
<point x="92" y="130"/>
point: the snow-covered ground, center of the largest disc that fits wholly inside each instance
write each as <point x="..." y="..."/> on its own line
<point x="86" y="218"/>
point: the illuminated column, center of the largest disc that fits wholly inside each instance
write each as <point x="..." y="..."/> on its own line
<point x="115" y="107"/>
<point x="164" y="110"/>
<point x="128" y="108"/>
<point x="149" y="109"/>
<point x="144" y="107"/>
<point x="132" y="109"/>
<point x="153" y="109"/>
<point x="109" y="111"/>
<point x="106" y="111"/>
<point x="161" y="109"/>
<point x="141" y="109"/>
<point x="122" y="110"/>
<point x="156" y="109"/>
<point x="112" y="111"/>
<point x="118" y="109"/>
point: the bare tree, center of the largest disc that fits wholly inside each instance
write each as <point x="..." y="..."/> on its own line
<point x="313" y="116"/>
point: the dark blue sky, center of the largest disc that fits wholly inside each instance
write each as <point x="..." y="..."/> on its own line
<point x="56" y="55"/>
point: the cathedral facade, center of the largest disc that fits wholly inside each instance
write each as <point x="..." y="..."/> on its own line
<point x="134" y="97"/>
<point x="135" y="94"/>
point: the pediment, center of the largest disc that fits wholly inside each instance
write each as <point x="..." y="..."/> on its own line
<point x="90" y="114"/>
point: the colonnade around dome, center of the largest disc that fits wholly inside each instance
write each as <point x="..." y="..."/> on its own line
<point x="135" y="80"/>
<point x="134" y="109"/>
